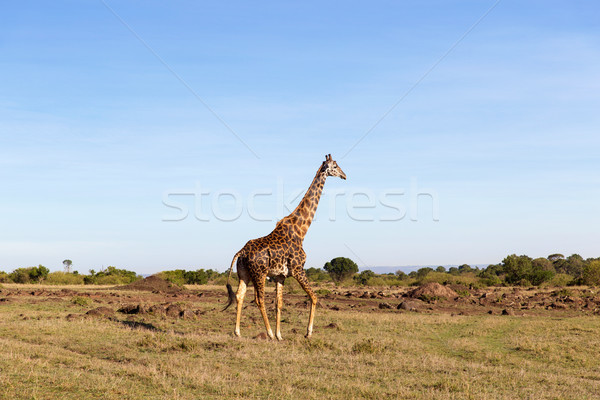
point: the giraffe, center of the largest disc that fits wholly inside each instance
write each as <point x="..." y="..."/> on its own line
<point x="280" y="255"/>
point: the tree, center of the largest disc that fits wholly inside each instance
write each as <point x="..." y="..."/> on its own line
<point x="341" y="268"/>
<point x="401" y="275"/>
<point x="422" y="272"/>
<point x="555" y="257"/>
<point x="574" y="265"/>
<point x="591" y="273"/>
<point x="542" y="270"/>
<point x="440" y="269"/>
<point x="464" y="269"/>
<point x="67" y="263"/>
<point x="518" y="269"/>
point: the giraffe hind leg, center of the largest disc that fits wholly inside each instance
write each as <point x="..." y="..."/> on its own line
<point x="279" y="304"/>
<point x="244" y="277"/>
<point x="259" y="287"/>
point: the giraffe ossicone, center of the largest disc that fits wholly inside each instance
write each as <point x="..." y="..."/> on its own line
<point x="280" y="255"/>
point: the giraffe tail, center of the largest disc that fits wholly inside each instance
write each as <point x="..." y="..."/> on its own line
<point x="230" y="293"/>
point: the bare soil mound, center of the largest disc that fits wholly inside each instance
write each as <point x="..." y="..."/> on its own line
<point x="153" y="284"/>
<point x="432" y="289"/>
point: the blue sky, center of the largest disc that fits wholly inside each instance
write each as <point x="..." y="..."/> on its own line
<point x="96" y="133"/>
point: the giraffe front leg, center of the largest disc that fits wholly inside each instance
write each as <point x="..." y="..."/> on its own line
<point x="303" y="281"/>
<point x="279" y="301"/>
<point x="260" y="302"/>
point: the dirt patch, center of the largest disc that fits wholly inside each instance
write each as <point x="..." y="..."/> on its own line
<point x="153" y="284"/>
<point x="432" y="290"/>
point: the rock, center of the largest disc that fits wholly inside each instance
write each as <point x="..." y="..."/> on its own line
<point x="100" y="312"/>
<point x="410" y="305"/>
<point x="130" y="309"/>
<point x="508" y="311"/>
<point x="385" y="306"/>
<point x="332" y="325"/>
<point x="157" y="309"/>
<point x="188" y="314"/>
<point x="174" y="311"/>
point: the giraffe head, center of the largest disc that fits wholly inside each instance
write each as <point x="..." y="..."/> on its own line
<point x="331" y="168"/>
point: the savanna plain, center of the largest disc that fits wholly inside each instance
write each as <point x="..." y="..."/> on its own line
<point x="107" y="342"/>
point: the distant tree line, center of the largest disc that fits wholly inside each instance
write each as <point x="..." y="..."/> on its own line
<point x="554" y="270"/>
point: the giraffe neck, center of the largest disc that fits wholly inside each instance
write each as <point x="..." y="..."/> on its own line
<point x="303" y="215"/>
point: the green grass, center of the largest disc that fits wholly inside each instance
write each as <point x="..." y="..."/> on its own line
<point x="371" y="355"/>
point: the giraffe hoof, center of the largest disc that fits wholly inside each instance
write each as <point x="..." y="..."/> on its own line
<point x="279" y="338"/>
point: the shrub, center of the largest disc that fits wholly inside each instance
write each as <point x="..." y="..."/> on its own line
<point x="540" y="276"/>
<point x="31" y="274"/>
<point x="322" y="292"/>
<point x="401" y="275"/>
<point x="591" y="273"/>
<point x="364" y="277"/>
<point x="440" y="277"/>
<point x="63" y="278"/>
<point x="561" y="280"/>
<point x="111" y="276"/>
<point x="176" y="277"/>
<point x="81" y="301"/>
<point x="377" y="281"/>
<point x="317" y="274"/>
<point x="4" y="277"/>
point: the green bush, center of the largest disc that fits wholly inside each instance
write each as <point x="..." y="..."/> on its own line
<point x="63" y="278"/>
<point x="176" y="276"/>
<point x="364" y="277"/>
<point x="560" y="280"/>
<point x="377" y="281"/>
<point x="81" y="301"/>
<point x="29" y="275"/>
<point x="4" y="277"/>
<point x="591" y="273"/>
<point x="111" y="276"/>
<point x="317" y="274"/>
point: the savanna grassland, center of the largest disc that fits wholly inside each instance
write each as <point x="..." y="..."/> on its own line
<point x="82" y="342"/>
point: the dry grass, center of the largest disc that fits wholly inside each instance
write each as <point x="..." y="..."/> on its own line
<point x="371" y="355"/>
